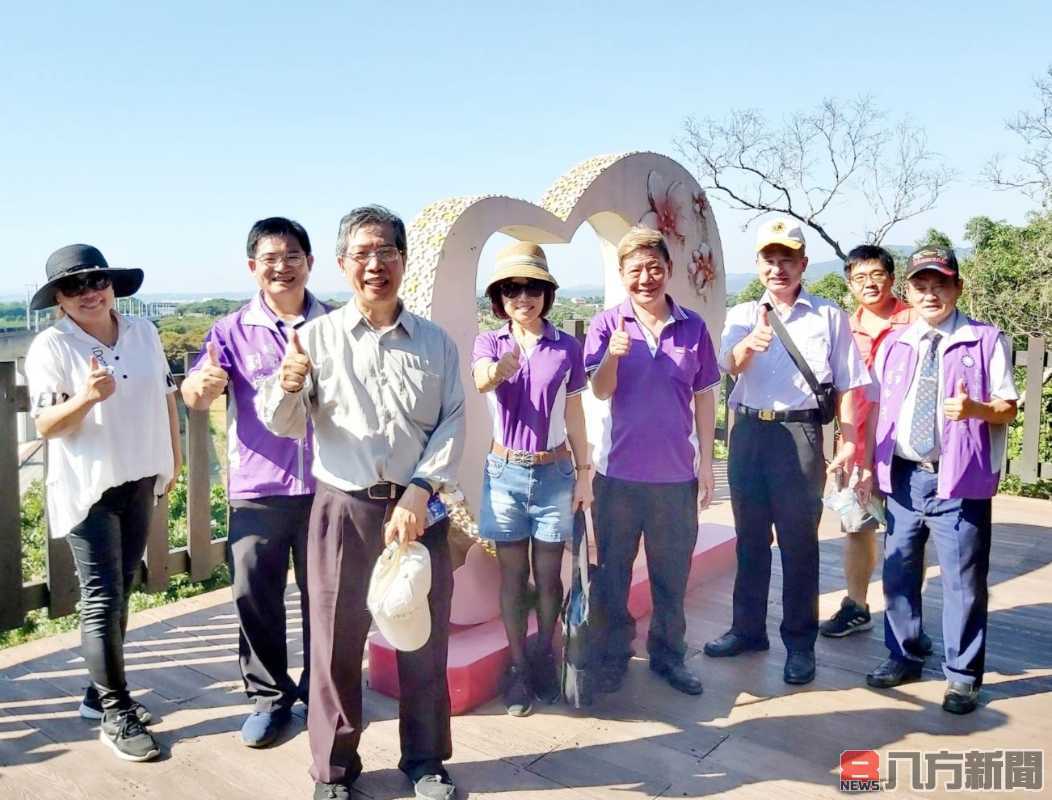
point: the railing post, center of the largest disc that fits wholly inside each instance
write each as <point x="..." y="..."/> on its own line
<point x="63" y="586"/>
<point x="1035" y="368"/>
<point x="198" y="487"/>
<point x="11" y="612"/>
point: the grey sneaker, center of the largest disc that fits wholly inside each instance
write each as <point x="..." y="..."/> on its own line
<point x="518" y="696"/>
<point x="851" y="618"/>
<point x="127" y="737"/>
<point x="91" y="707"/>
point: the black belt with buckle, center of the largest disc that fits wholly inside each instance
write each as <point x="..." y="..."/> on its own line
<point x="384" y="490"/>
<point x="770" y="415"/>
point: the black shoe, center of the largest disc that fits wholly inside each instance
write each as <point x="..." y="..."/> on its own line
<point x="850" y="618"/>
<point x="544" y="676"/>
<point x="960" y="697"/>
<point x="438" y="786"/>
<point x="610" y="676"/>
<point x="91" y="707"/>
<point x="924" y="644"/>
<point x="892" y="672"/>
<point x="733" y="644"/>
<point x="678" y="676"/>
<point x="799" y="667"/>
<point x="331" y="791"/>
<point x="127" y="737"/>
<point x="518" y="696"/>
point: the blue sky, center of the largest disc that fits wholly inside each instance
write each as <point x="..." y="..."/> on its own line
<point x="161" y="133"/>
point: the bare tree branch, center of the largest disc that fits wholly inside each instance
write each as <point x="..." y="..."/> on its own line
<point x="815" y="160"/>
<point x="1033" y="175"/>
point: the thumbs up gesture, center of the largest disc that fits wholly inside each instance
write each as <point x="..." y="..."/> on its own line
<point x="213" y="376"/>
<point x="960" y="406"/>
<point x="762" y="334"/>
<point x="620" y="343"/>
<point x="100" y="383"/>
<point x="508" y="364"/>
<point x="295" y="366"/>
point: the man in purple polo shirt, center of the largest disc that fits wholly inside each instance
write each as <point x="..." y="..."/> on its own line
<point x="656" y="364"/>
<point x="270" y="485"/>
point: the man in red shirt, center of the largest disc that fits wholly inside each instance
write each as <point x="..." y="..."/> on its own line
<point x="870" y="274"/>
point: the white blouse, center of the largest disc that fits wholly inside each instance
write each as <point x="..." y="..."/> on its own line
<point x="123" y="438"/>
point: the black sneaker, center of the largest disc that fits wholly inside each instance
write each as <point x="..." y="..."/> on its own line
<point x="851" y="618"/>
<point x="332" y="791"/>
<point x="518" y="696"/>
<point x="544" y="675"/>
<point x="127" y="737"/>
<point x="91" y="707"/>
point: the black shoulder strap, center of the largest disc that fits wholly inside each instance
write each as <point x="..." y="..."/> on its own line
<point x="794" y="354"/>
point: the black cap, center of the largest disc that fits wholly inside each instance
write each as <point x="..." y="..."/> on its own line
<point x="933" y="256"/>
<point x="76" y="258"/>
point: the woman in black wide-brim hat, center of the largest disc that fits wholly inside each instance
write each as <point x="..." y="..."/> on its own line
<point x="102" y="396"/>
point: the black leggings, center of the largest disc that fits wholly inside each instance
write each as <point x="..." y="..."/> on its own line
<point x="107" y="548"/>
<point x="514" y="560"/>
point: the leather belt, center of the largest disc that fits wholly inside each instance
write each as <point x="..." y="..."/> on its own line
<point x="384" y="490"/>
<point x="770" y="415"/>
<point x="524" y="458"/>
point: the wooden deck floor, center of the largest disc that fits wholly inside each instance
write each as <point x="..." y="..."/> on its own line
<point x="748" y="735"/>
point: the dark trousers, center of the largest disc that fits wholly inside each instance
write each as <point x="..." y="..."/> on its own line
<point x="346" y="537"/>
<point x="776" y="472"/>
<point x="668" y="512"/>
<point x="107" y="548"/>
<point x="263" y="533"/>
<point x="962" y="531"/>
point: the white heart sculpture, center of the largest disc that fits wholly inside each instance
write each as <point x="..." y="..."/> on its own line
<point x="611" y="193"/>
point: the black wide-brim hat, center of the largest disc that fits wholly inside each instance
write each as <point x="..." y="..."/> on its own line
<point x="75" y="259"/>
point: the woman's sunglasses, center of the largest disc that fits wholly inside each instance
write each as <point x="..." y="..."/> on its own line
<point x="78" y="284"/>
<point x="510" y="290"/>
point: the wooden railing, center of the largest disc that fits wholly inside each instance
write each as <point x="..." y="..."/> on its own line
<point x="58" y="591"/>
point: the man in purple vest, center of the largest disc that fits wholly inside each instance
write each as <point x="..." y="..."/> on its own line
<point x="270" y="485"/>
<point x="946" y="398"/>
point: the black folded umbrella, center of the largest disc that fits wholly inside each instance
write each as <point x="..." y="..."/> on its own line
<point x="579" y="631"/>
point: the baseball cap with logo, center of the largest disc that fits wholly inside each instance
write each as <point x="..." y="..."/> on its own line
<point x="936" y="257"/>
<point x="781" y="230"/>
<point x="397" y="596"/>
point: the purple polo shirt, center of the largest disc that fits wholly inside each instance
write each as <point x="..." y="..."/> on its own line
<point x="529" y="409"/>
<point x="250" y="344"/>
<point x="648" y="437"/>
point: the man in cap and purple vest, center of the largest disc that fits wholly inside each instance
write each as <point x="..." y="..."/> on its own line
<point x="946" y="398"/>
<point x="270" y="485"/>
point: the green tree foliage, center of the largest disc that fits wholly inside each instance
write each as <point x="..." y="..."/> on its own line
<point x="753" y="291"/>
<point x="935" y="237"/>
<point x="1008" y="281"/>
<point x="832" y="287"/>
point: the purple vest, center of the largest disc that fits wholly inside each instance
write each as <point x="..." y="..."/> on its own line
<point x="964" y="462"/>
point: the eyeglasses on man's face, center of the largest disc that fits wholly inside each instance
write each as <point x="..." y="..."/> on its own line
<point x="77" y="285"/>
<point x="877" y="276"/>
<point x="387" y="254"/>
<point x="290" y="260"/>
<point x="509" y="290"/>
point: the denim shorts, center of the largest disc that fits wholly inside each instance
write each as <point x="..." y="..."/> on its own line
<point x="519" y="502"/>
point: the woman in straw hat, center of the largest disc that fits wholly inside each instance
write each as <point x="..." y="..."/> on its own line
<point x="532" y="375"/>
<point x="102" y="396"/>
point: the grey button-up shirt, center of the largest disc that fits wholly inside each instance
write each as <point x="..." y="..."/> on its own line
<point x="387" y="405"/>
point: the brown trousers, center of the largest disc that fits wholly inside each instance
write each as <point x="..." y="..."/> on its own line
<point x="344" y="541"/>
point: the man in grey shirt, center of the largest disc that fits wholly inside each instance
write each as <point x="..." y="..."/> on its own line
<point x="382" y="387"/>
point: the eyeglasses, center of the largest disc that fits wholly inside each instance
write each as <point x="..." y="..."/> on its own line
<point x="385" y="255"/>
<point x="293" y="260"/>
<point x="510" y="290"/>
<point x="879" y="277"/>
<point x="76" y="285"/>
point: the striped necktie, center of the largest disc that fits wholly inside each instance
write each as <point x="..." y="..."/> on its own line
<point x="922" y="428"/>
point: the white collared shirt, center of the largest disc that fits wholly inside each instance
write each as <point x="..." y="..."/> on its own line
<point x="821" y="332"/>
<point x="999" y="370"/>
<point x="125" y="437"/>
